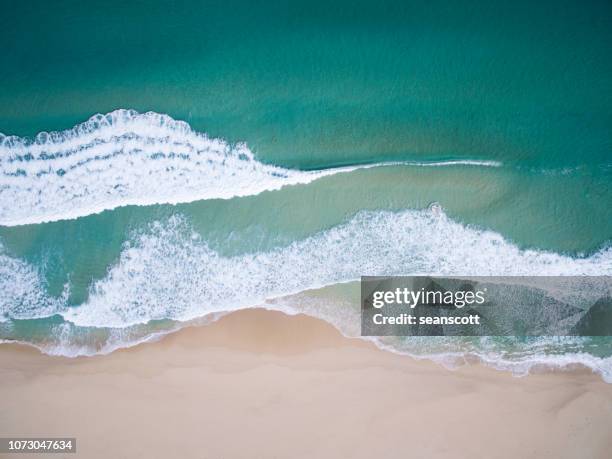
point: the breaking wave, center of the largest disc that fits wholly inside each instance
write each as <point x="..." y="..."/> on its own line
<point x="169" y="272"/>
<point x="127" y="158"/>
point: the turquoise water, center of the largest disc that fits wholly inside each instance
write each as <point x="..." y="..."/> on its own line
<point x="272" y="153"/>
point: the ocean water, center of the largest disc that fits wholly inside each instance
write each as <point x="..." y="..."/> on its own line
<point x="163" y="166"/>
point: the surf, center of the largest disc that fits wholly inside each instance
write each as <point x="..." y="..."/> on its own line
<point x="129" y="158"/>
<point x="167" y="276"/>
<point x="168" y="271"/>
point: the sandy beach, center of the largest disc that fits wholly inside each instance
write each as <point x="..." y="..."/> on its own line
<point x="260" y="384"/>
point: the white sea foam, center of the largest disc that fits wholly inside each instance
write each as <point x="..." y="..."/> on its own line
<point x="22" y="291"/>
<point x="126" y="158"/>
<point x="169" y="272"/>
<point x="501" y="359"/>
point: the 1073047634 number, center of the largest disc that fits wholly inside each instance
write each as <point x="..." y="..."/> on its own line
<point x="37" y="445"/>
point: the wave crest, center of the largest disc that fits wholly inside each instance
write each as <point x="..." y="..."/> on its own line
<point x="127" y="158"/>
<point x="170" y="272"/>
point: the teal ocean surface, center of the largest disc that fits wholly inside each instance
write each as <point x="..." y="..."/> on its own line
<point x="161" y="166"/>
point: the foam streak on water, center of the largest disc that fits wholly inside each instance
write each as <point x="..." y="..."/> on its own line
<point x="169" y="272"/>
<point x="22" y="291"/>
<point x="126" y="158"/>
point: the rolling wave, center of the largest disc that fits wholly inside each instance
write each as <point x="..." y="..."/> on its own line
<point x="127" y="158"/>
<point x="170" y="272"/>
<point x="167" y="271"/>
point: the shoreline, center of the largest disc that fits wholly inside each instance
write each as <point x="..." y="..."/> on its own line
<point x="259" y="383"/>
<point x="450" y="361"/>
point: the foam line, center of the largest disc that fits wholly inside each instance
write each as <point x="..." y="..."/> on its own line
<point x="169" y="272"/>
<point x="127" y="158"/>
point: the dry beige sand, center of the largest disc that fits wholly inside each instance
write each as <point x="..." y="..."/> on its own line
<point x="260" y="384"/>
